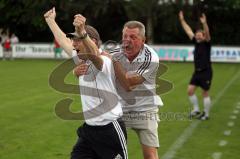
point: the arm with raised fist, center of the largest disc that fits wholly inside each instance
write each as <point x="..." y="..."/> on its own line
<point x="185" y="26"/>
<point x="92" y="53"/>
<point x="203" y="20"/>
<point x="59" y="35"/>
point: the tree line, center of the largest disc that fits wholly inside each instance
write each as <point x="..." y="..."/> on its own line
<point x="25" y="18"/>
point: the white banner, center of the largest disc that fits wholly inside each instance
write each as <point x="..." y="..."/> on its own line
<point x="174" y="53"/>
<point x="34" y="51"/>
<point x="165" y="52"/>
<point x="225" y="54"/>
<point x="185" y="53"/>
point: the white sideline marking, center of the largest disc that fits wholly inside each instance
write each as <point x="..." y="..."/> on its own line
<point x="217" y="155"/>
<point x="222" y="143"/>
<point x="171" y="152"/>
<point x="230" y="124"/>
<point x="233" y="117"/>
<point x="236" y="111"/>
<point x="227" y="132"/>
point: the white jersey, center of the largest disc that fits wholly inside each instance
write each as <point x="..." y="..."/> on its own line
<point x="100" y="102"/>
<point x="144" y="96"/>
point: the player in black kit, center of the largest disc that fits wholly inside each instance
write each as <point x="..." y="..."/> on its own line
<point x="202" y="75"/>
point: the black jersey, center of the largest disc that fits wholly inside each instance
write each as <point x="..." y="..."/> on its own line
<point x="202" y="55"/>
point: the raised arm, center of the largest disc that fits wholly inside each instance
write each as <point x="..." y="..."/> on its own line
<point x="185" y="26"/>
<point x="128" y="80"/>
<point x="59" y="35"/>
<point x="203" y="20"/>
<point x="79" y="23"/>
<point x="92" y="53"/>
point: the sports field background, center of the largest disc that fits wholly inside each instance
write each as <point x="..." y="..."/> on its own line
<point x="30" y="129"/>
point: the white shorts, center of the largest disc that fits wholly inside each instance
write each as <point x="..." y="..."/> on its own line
<point x="145" y="124"/>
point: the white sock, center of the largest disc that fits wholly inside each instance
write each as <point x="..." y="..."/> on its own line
<point x="193" y="99"/>
<point x="207" y="105"/>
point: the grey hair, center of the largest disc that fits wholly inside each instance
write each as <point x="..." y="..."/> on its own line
<point x="136" y="24"/>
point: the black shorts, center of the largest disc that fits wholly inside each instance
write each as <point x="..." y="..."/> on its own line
<point x="202" y="79"/>
<point x="101" y="142"/>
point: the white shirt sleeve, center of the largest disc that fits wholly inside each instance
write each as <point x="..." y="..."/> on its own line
<point x="151" y="71"/>
<point x="107" y="65"/>
<point x="149" y="68"/>
<point x="76" y="60"/>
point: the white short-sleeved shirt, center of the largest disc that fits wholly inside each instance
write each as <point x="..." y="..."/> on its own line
<point x="144" y="96"/>
<point x="100" y="102"/>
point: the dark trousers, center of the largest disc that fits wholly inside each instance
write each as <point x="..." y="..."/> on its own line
<point x="101" y="142"/>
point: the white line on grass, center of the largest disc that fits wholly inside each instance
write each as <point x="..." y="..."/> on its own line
<point x="171" y="152"/>
<point x="227" y="132"/>
<point x="222" y="143"/>
<point x="236" y="111"/>
<point x="217" y="155"/>
<point x="183" y="81"/>
<point x="233" y="117"/>
<point x="230" y="123"/>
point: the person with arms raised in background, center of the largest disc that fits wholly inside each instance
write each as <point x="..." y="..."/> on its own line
<point x="202" y="75"/>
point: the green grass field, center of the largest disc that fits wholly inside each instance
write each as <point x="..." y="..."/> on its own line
<point x="30" y="129"/>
